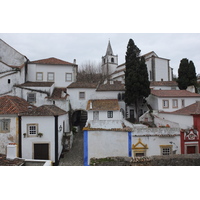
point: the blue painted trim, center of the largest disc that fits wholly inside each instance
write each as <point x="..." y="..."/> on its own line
<point x="129" y="144"/>
<point x="85" y="144"/>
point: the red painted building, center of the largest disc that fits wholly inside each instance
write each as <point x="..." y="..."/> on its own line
<point x="190" y="140"/>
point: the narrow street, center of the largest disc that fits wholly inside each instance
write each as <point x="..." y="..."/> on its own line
<point x="74" y="157"/>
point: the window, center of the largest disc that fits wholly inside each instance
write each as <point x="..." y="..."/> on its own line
<point x="182" y="102"/>
<point x="39" y="76"/>
<point x="174" y="103"/>
<point x="31" y="97"/>
<point x="32" y="129"/>
<point x="110" y="114"/>
<point x="5" y="125"/>
<point x="8" y="81"/>
<point x="81" y="95"/>
<point x="166" y="149"/>
<point x="165" y="103"/>
<point x="112" y="60"/>
<point x="119" y="97"/>
<point x="50" y="76"/>
<point x="68" y="77"/>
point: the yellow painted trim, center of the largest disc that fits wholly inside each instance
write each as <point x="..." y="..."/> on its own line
<point x="165" y="146"/>
<point x="139" y="142"/>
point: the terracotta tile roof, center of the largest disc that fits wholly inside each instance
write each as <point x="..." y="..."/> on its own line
<point x="52" y="61"/>
<point x="37" y="84"/>
<point x="116" y="86"/>
<point x="12" y="105"/>
<point x="163" y="83"/>
<point x="173" y="93"/>
<point x="58" y="93"/>
<point x="44" y="110"/>
<point x="103" y="104"/>
<point x="5" y="162"/>
<point x="193" y="109"/>
<point x="82" y="85"/>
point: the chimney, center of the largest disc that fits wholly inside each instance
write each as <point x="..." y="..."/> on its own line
<point x="90" y="105"/>
<point x="11" y="151"/>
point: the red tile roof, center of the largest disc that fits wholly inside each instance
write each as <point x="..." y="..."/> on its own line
<point x="12" y="105"/>
<point x="82" y="85"/>
<point x="57" y="94"/>
<point x="193" y="109"/>
<point x="44" y="110"/>
<point x="173" y="93"/>
<point x="52" y="61"/>
<point x="6" y="162"/>
<point x="116" y="86"/>
<point x="37" y="84"/>
<point x="163" y="83"/>
<point x="103" y="104"/>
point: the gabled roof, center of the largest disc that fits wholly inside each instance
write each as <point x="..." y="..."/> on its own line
<point x="52" y="61"/>
<point x="116" y="86"/>
<point x="173" y="93"/>
<point x="58" y="94"/>
<point x="12" y="105"/>
<point x="37" y="84"/>
<point x="44" y="110"/>
<point x="163" y="83"/>
<point x="82" y="85"/>
<point x="16" y="67"/>
<point x="193" y="109"/>
<point x="103" y="104"/>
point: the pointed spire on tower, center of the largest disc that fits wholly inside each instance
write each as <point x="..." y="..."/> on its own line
<point x="109" y="49"/>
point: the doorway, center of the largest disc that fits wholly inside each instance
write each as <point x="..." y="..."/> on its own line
<point x="191" y="149"/>
<point x="41" y="151"/>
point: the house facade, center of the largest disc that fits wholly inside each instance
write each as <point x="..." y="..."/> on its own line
<point x="42" y="133"/>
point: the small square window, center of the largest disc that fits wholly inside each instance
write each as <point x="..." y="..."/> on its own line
<point x="166" y="150"/>
<point x="5" y="125"/>
<point x="165" y="103"/>
<point x="39" y="76"/>
<point x="175" y="103"/>
<point x="110" y="114"/>
<point x="68" y="77"/>
<point x="81" y="95"/>
<point x="32" y="129"/>
<point x="31" y="97"/>
<point x="50" y="76"/>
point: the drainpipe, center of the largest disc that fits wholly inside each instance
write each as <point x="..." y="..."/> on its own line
<point x="56" y="140"/>
<point x="20" y="136"/>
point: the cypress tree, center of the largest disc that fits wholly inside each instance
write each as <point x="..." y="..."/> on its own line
<point x="186" y="74"/>
<point x="136" y="78"/>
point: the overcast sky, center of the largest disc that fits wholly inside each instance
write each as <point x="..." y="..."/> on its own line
<point x="86" y="47"/>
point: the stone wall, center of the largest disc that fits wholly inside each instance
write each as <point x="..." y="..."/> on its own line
<point x="172" y="160"/>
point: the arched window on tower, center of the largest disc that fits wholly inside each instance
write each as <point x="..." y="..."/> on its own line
<point x="112" y="60"/>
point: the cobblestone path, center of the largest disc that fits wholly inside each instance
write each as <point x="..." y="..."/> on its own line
<point x="74" y="157"/>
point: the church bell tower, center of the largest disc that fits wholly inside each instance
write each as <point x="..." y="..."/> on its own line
<point x="109" y="61"/>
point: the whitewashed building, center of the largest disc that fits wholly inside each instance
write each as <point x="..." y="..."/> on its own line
<point x="13" y="68"/>
<point x="42" y="132"/>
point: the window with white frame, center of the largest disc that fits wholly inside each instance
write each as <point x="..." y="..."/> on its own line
<point x="5" y="125"/>
<point x="31" y="97"/>
<point x="32" y="129"/>
<point x="39" y="76"/>
<point x="174" y="103"/>
<point x="182" y="102"/>
<point x="165" y="103"/>
<point x="68" y="77"/>
<point x="50" y="76"/>
<point x="166" y="149"/>
<point x="110" y="114"/>
<point x="81" y="95"/>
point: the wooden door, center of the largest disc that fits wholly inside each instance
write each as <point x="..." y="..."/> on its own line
<point x="191" y="149"/>
<point x="41" y="151"/>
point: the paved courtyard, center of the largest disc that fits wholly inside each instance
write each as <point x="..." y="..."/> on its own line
<point x="74" y="157"/>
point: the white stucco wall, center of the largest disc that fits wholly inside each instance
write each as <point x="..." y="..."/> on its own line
<point x="161" y="68"/>
<point x="10" y="56"/>
<point x="11" y="136"/>
<point x="46" y="125"/>
<point x="184" y="121"/>
<point x="58" y="70"/>
<point x="103" y="144"/>
<point x="153" y="141"/>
